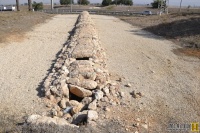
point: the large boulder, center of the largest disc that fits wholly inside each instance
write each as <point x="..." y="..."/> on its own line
<point x="80" y="92"/>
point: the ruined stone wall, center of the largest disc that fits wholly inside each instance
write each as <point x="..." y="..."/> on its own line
<point x="78" y="79"/>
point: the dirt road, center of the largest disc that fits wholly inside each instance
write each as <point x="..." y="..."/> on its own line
<point x="23" y="66"/>
<point x="170" y="83"/>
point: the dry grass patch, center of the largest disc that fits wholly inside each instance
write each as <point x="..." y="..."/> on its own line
<point x="15" y="24"/>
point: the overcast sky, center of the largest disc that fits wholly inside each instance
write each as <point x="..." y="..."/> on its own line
<point x="172" y="2"/>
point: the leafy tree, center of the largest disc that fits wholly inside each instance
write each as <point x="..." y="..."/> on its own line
<point x="106" y="2"/>
<point x="124" y="2"/>
<point x="66" y="2"/>
<point x="129" y="2"/>
<point x="83" y="2"/>
<point x="158" y="3"/>
<point x="37" y="6"/>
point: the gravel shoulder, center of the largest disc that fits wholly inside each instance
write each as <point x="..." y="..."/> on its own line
<point x="169" y="82"/>
<point x="25" y="64"/>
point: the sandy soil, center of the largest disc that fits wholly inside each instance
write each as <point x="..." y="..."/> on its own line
<point x="25" y="64"/>
<point x="169" y="82"/>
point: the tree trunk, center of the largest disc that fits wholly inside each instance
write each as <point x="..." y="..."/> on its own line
<point x="180" y="6"/>
<point x="17" y="5"/>
<point x="30" y="5"/>
<point x="167" y="6"/>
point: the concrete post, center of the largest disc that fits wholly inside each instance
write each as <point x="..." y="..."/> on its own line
<point x="52" y="5"/>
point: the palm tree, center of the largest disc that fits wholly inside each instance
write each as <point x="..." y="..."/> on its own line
<point x="17" y="5"/>
<point x="180" y="6"/>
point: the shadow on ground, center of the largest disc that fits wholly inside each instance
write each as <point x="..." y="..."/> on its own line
<point x="187" y="30"/>
<point x="40" y="86"/>
<point x="107" y="127"/>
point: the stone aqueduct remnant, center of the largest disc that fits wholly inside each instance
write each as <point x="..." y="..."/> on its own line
<point x="78" y="79"/>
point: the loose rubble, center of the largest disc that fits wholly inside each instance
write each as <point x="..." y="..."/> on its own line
<point x="136" y="95"/>
<point x="79" y="79"/>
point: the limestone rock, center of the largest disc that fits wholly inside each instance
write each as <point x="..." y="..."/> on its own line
<point x="36" y="119"/>
<point x="128" y="85"/>
<point x="54" y="112"/>
<point x="106" y="91"/>
<point x="52" y="98"/>
<point x="122" y="94"/>
<point x="79" y="117"/>
<point x="64" y="68"/>
<point x="47" y="83"/>
<point x="88" y="84"/>
<point x="91" y="123"/>
<point x="77" y="109"/>
<point x="72" y="103"/>
<point x="86" y="100"/>
<point x="92" y="115"/>
<point x="46" y="120"/>
<point x="60" y="114"/>
<point x="80" y="92"/>
<point x="63" y="103"/>
<point x="89" y="75"/>
<point x="98" y="95"/>
<point x="61" y="121"/>
<point x="73" y="81"/>
<point x="92" y="105"/>
<point x="107" y="109"/>
<point x="32" y="118"/>
<point x="65" y="89"/>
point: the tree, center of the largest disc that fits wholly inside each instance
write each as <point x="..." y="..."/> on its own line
<point x="83" y="2"/>
<point x="17" y="5"/>
<point x="129" y="2"/>
<point x="189" y="7"/>
<point x="158" y="3"/>
<point x="30" y="5"/>
<point x="106" y="2"/>
<point x="124" y="2"/>
<point x="180" y="5"/>
<point x="37" y="6"/>
<point x="66" y="2"/>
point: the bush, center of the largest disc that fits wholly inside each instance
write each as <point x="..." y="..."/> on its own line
<point x="37" y="6"/>
<point x="66" y="2"/>
<point x="118" y="2"/>
<point x="106" y="2"/>
<point x="157" y="3"/>
<point x="83" y="2"/>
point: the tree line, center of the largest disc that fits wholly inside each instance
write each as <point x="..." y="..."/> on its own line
<point x="157" y="3"/>
<point x="104" y="2"/>
<point x="36" y="6"/>
<point x="117" y="2"/>
<point x="80" y="2"/>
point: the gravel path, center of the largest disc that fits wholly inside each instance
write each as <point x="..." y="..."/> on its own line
<point x="24" y="65"/>
<point x="170" y="83"/>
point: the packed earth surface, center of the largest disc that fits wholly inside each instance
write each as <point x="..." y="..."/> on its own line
<point x="148" y="85"/>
